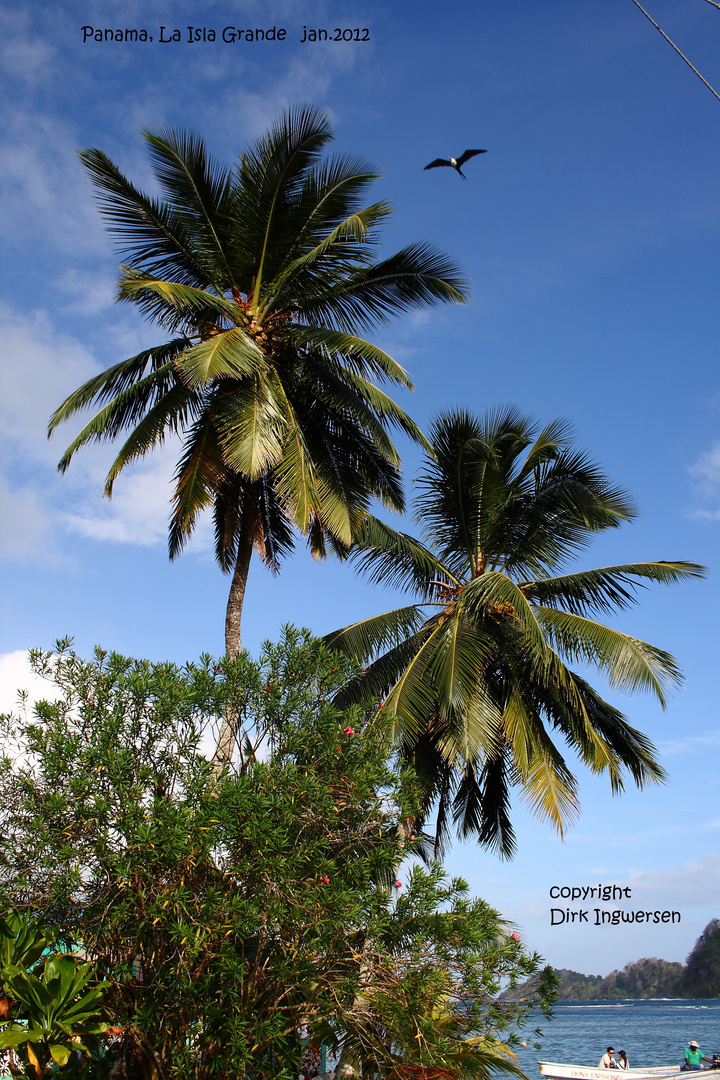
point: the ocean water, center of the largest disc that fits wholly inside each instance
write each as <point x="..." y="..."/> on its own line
<point x="651" y="1032"/>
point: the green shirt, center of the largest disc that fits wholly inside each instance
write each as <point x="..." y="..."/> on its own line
<point x="693" y="1057"/>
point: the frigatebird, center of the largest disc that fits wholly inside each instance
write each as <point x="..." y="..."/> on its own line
<point x="455" y="163"/>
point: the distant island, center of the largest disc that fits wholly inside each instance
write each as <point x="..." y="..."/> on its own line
<point x="698" y="977"/>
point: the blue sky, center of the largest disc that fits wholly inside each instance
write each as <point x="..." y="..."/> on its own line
<point x="590" y="232"/>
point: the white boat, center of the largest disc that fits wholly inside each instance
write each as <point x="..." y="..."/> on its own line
<point x="556" y="1071"/>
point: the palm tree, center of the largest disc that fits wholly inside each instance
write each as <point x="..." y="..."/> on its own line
<point x="474" y="674"/>
<point x="261" y="276"/>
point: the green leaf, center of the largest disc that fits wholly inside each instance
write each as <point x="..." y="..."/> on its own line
<point x="14" y="1036"/>
<point x="60" y="1054"/>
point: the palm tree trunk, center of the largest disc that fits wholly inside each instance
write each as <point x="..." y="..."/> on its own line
<point x="233" y="614"/>
<point x="347" y="1065"/>
<point x="233" y="645"/>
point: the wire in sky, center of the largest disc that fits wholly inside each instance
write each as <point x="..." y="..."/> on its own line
<point x="650" y="19"/>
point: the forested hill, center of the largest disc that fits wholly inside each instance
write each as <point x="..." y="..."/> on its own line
<point x="699" y="977"/>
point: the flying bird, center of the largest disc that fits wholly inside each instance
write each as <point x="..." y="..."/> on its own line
<point x="455" y="163"/>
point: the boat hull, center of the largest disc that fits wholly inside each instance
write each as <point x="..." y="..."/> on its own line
<point x="557" y="1071"/>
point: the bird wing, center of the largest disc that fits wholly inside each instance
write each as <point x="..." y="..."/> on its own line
<point x="468" y="154"/>
<point x="438" y="161"/>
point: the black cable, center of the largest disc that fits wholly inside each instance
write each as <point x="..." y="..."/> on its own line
<point x="649" y="17"/>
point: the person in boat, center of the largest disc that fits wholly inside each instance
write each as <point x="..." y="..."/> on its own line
<point x="622" y="1060"/>
<point x="607" y="1061"/>
<point x="693" y="1057"/>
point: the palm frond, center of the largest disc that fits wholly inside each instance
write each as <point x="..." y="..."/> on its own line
<point x="380" y="633"/>
<point x="329" y="392"/>
<point x="114" y="380"/>
<point x="351" y="351"/>
<point x="192" y="306"/>
<point x="272" y="172"/>
<point x="550" y="689"/>
<point x="277" y="530"/>
<point x="495" y="597"/>
<point x="635" y="752"/>
<point x="463" y="486"/>
<point x="150" y="236"/>
<point x="331" y="191"/>
<point x="340" y="437"/>
<point x="386" y="556"/>
<point x="295" y="480"/>
<point x="469" y="717"/>
<point x="555" y="514"/>
<point x="378" y="678"/>
<point x="481" y="806"/>
<point x="352" y="402"/>
<point x="169" y="415"/>
<point x="198" y="189"/>
<point x="252" y="419"/>
<point x="549" y="789"/>
<point x="126" y="408"/>
<point x="413" y="698"/>
<point x="309" y="492"/>
<point x="199" y="474"/>
<point x="417" y="276"/>
<point x="553" y="438"/>
<point x="339" y="245"/>
<point x="629" y="663"/>
<point x="231" y="354"/>
<point x="608" y="588"/>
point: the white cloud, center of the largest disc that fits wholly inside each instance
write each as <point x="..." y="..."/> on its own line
<point x="307" y="80"/>
<point x="16" y="676"/>
<point x="42" y="367"/>
<point x="137" y="512"/>
<point x="47" y="199"/>
<point x="692" y="884"/>
<point x="25" y="56"/>
<point x="689" y="744"/>
<point x="25" y="525"/>
<point x="707" y="467"/>
<point x="139" y="509"/>
<point x="706" y="473"/>
<point x="86" y="292"/>
<point x="34" y="500"/>
<point x="46" y="366"/>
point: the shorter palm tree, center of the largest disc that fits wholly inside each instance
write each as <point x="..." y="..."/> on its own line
<point x="473" y="678"/>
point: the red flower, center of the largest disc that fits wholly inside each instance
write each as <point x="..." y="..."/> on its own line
<point x="398" y="884"/>
<point x="349" y="731"/>
<point x="516" y="937"/>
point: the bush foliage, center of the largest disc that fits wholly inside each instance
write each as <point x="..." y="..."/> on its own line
<point x="237" y="917"/>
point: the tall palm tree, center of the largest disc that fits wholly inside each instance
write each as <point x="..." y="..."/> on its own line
<point x="474" y="675"/>
<point x="261" y="277"/>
